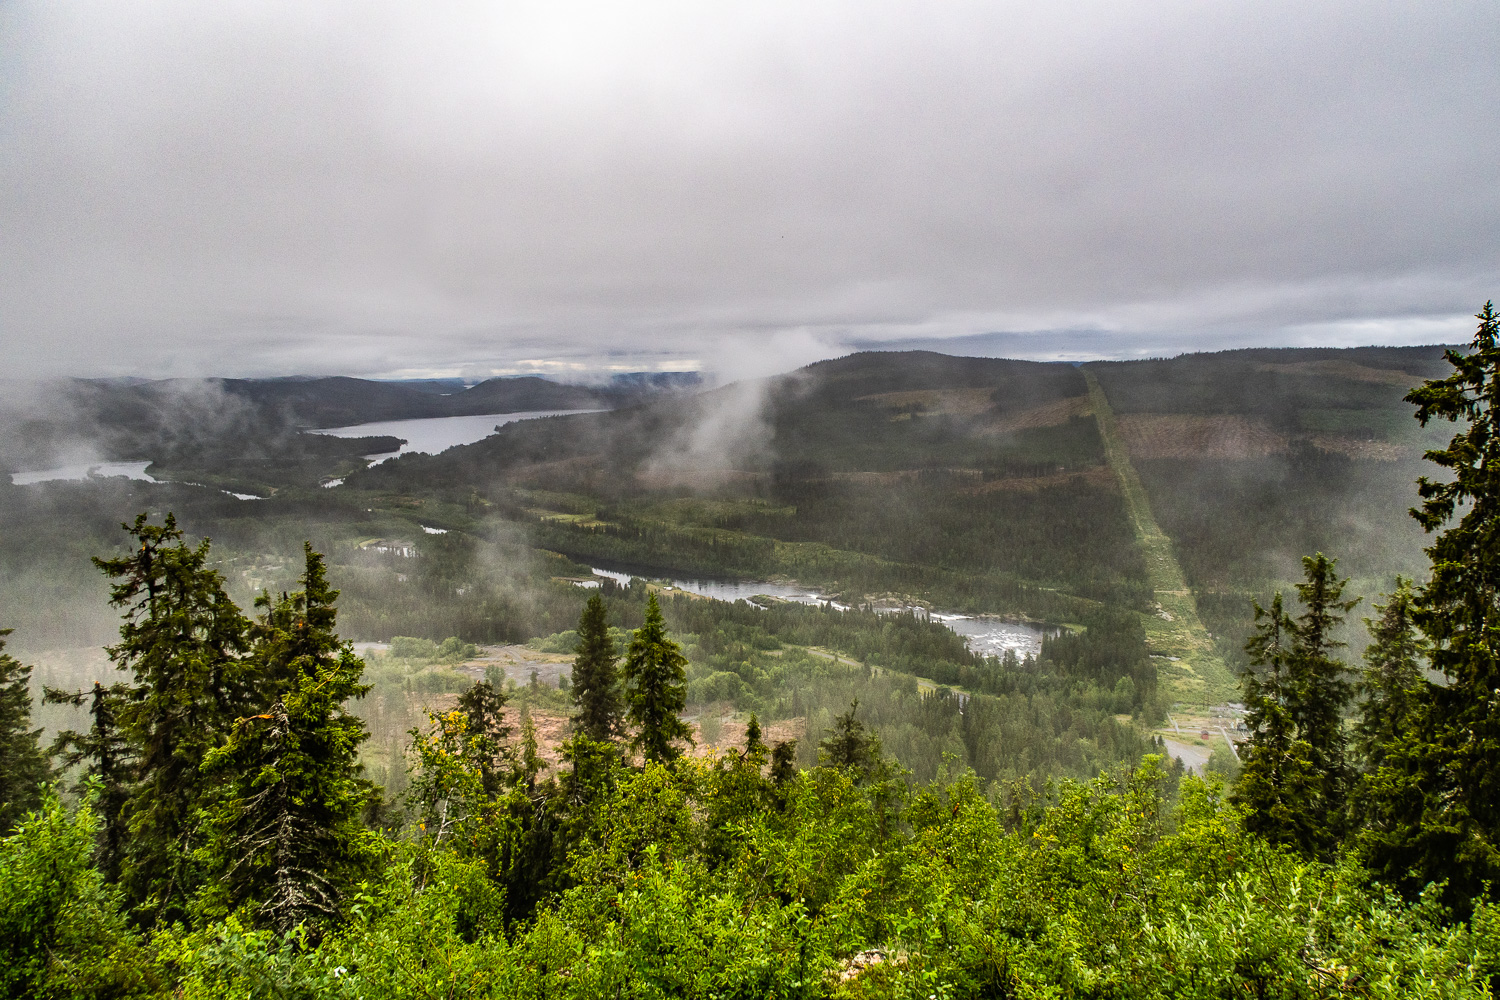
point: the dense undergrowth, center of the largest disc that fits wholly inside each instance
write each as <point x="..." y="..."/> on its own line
<point x="709" y="880"/>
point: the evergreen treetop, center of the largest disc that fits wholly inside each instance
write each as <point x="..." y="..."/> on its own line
<point x="656" y="679"/>
<point x="1279" y="787"/>
<point x="596" y="683"/>
<point x="484" y="706"/>
<point x="23" y="765"/>
<point x="287" y="835"/>
<point x="1392" y="679"/>
<point x="183" y="640"/>
<point x="1435" y="798"/>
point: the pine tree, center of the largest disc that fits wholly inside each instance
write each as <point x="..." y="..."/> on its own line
<point x="23" y="765"/>
<point x="531" y="755"/>
<point x="289" y="829"/>
<point x="1435" y="799"/>
<point x="183" y="640"/>
<point x="596" y="684"/>
<point x="656" y="679"/>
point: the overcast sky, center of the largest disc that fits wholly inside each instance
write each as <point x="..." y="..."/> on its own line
<point x="389" y="189"/>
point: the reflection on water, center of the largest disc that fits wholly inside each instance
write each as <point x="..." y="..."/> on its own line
<point x="88" y="470"/>
<point x="983" y="635"/>
<point x="431" y="435"/>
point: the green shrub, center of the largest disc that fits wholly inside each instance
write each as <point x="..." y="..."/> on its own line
<point x="61" y="930"/>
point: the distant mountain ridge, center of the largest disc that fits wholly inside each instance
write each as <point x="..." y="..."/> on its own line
<point x="137" y="418"/>
<point x="340" y="401"/>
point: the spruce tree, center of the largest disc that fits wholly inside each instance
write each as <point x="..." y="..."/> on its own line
<point x="532" y="760"/>
<point x="109" y="764"/>
<point x="1392" y="677"/>
<point x="656" y="679"/>
<point x="1321" y="688"/>
<point x="849" y="744"/>
<point x="289" y="836"/>
<point x="23" y="765"/>
<point x="1436" y="796"/>
<point x="755" y="747"/>
<point x="596" y="684"/>
<point x="183" y="640"/>
<point x="783" y="762"/>
<point x="484" y="705"/>
<point x="1278" y="786"/>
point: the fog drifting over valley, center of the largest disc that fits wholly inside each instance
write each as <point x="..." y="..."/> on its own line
<point x="568" y="188"/>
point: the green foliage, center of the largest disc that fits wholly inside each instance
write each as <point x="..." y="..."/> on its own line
<point x="1392" y="681"/>
<point x="62" y="933"/>
<point x="483" y="706"/>
<point x="849" y="745"/>
<point x="107" y="760"/>
<point x="182" y="640"/>
<point x="447" y="790"/>
<point x="739" y="874"/>
<point x="287" y="835"/>
<point x="1436" y="811"/>
<point x="1297" y="772"/>
<point x="450" y="650"/>
<point x="656" y="688"/>
<point x="23" y="765"/>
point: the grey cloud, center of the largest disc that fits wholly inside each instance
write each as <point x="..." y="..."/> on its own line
<point x="373" y="188"/>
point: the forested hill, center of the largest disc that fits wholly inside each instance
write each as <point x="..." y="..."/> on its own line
<point x="970" y="483"/>
<point x="201" y="420"/>
<point x="335" y="402"/>
<point x="1253" y="458"/>
<point x="986" y="468"/>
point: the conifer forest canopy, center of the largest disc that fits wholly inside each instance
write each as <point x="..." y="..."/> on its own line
<point x="277" y="720"/>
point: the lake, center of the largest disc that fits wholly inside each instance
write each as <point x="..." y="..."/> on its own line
<point x="431" y="435"/>
<point x="87" y="470"/>
<point x="982" y="634"/>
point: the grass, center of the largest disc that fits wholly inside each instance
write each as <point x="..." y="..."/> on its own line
<point x="1198" y="675"/>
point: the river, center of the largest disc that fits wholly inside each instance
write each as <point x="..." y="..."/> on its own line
<point x="983" y="634"/>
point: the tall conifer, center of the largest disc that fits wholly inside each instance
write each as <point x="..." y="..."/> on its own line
<point x="484" y="705"/>
<point x="1436" y="796"/>
<point x="1278" y="786"/>
<point x="23" y="766"/>
<point x="1392" y="678"/>
<point x="1322" y="686"/>
<point x="289" y="834"/>
<point x="108" y="762"/>
<point x="183" y="640"/>
<point x="596" y="683"/>
<point x="656" y="678"/>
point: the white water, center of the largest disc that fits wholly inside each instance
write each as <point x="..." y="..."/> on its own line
<point x="996" y="636"/>
<point x="89" y="470"/>
<point x="432" y="435"/>
<point x="983" y="635"/>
